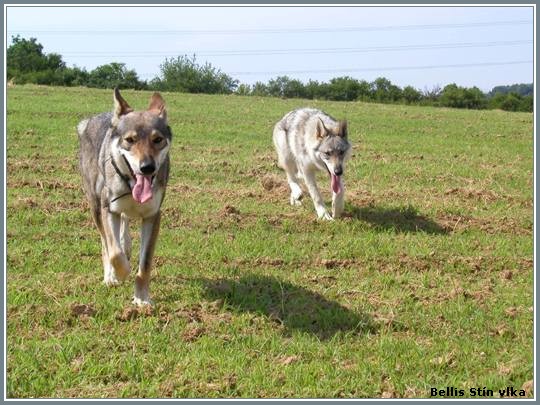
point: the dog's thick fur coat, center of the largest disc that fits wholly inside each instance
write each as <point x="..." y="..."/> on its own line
<point x="124" y="162"/>
<point x="308" y="140"/>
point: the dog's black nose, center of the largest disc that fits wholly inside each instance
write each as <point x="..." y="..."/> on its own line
<point x="147" y="167"/>
<point x="338" y="171"/>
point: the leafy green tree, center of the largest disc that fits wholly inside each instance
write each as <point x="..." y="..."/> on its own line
<point x="243" y="90"/>
<point x="277" y="86"/>
<point x="512" y="102"/>
<point x="316" y="90"/>
<point x="186" y="75"/>
<point x="384" y="91"/>
<point x="259" y="89"/>
<point x="522" y="89"/>
<point x="475" y="98"/>
<point x="461" y="97"/>
<point x="343" y="89"/>
<point x="75" y="76"/>
<point x="527" y="104"/>
<point x="452" y="96"/>
<point x="114" y="75"/>
<point x="411" y="95"/>
<point x="25" y="57"/>
<point x="365" y="91"/>
<point x="294" y="89"/>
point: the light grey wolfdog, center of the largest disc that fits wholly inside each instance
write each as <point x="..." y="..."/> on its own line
<point x="307" y="140"/>
<point x="124" y="162"/>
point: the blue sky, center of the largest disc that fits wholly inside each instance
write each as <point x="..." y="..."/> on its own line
<point x="306" y="42"/>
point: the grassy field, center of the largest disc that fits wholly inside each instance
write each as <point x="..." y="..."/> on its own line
<point x="426" y="282"/>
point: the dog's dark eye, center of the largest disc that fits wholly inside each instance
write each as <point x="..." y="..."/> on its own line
<point x="130" y="139"/>
<point x="157" y="140"/>
<point x="326" y="154"/>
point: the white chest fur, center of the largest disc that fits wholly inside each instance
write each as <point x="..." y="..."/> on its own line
<point x="128" y="206"/>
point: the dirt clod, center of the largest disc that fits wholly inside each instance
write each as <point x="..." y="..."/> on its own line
<point x="528" y="387"/>
<point x="229" y="210"/>
<point x="130" y="313"/>
<point x="82" y="310"/>
<point x="288" y="360"/>
<point x="192" y="333"/>
<point x="271" y="182"/>
<point x="507" y="275"/>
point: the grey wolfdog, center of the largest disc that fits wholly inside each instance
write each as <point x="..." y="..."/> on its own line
<point x="124" y="162"/>
<point x="307" y="140"/>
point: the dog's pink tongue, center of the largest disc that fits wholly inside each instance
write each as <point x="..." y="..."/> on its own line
<point x="335" y="183"/>
<point x="142" y="191"/>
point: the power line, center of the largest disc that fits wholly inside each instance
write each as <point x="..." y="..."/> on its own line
<point x="274" y="30"/>
<point x="387" y="68"/>
<point x="303" y="51"/>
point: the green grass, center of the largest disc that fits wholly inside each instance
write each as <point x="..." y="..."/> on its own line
<point x="426" y="282"/>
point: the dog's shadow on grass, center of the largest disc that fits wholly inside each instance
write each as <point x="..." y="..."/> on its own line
<point x="400" y="219"/>
<point x="293" y="307"/>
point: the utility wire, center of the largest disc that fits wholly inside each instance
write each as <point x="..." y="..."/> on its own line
<point x="304" y="51"/>
<point x="387" y="68"/>
<point x="274" y="30"/>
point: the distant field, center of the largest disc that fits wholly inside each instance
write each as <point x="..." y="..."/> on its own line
<point x="427" y="281"/>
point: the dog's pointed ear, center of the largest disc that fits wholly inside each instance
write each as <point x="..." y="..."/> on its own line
<point x="321" y="129"/>
<point x="157" y="106"/>
<point x="121" y="107"/>
<point x="343" y="129"/>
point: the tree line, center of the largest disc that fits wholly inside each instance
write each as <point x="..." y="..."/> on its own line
<point x="27" y="63"/>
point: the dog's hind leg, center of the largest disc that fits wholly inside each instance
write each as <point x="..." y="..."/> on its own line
<point x="287" y="162"/>
<point x="149" y="234"/>
<point x="291" y="170"/>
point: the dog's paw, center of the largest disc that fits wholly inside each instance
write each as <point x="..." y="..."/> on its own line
<point x="325" y="216"/>
<point x="295" y="202"/>
<point x="120" y="269"/>
<point x="111" y="281"/>
<point x="142" y="302"/>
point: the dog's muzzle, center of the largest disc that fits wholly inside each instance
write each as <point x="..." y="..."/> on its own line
<point x="147" y="167"/>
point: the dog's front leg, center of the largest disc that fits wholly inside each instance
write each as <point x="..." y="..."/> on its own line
<point x="338" y="201"/>
<point x="309" y="178"/>
<point x="149" y="234"/>
<point x="117" y="258"/>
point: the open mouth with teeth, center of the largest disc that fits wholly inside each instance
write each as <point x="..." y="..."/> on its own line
<point x="142" y="190"/>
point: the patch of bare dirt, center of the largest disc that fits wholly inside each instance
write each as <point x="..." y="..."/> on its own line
<point x="132" y="312"/>
<point x="82" y="310"/>
<point x="272" y="182"/>
<point x="192" y="333"/>
<point x="286" y="360"/>
<point x="507" y="275"/>
<point x="205" y="312"/>
<point x="336" y="263"/>
<point x="259" y="261"/>
<point x="528" y="387"/>
<point x="387" y="389"/>
<point x="44" y="184"/>
<point x="472" y="193"/>
<point x="388" y="320"/>
<point x="458" y="223"/>
<point x="229" y="210"/>
<point x="183" y="188"/>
